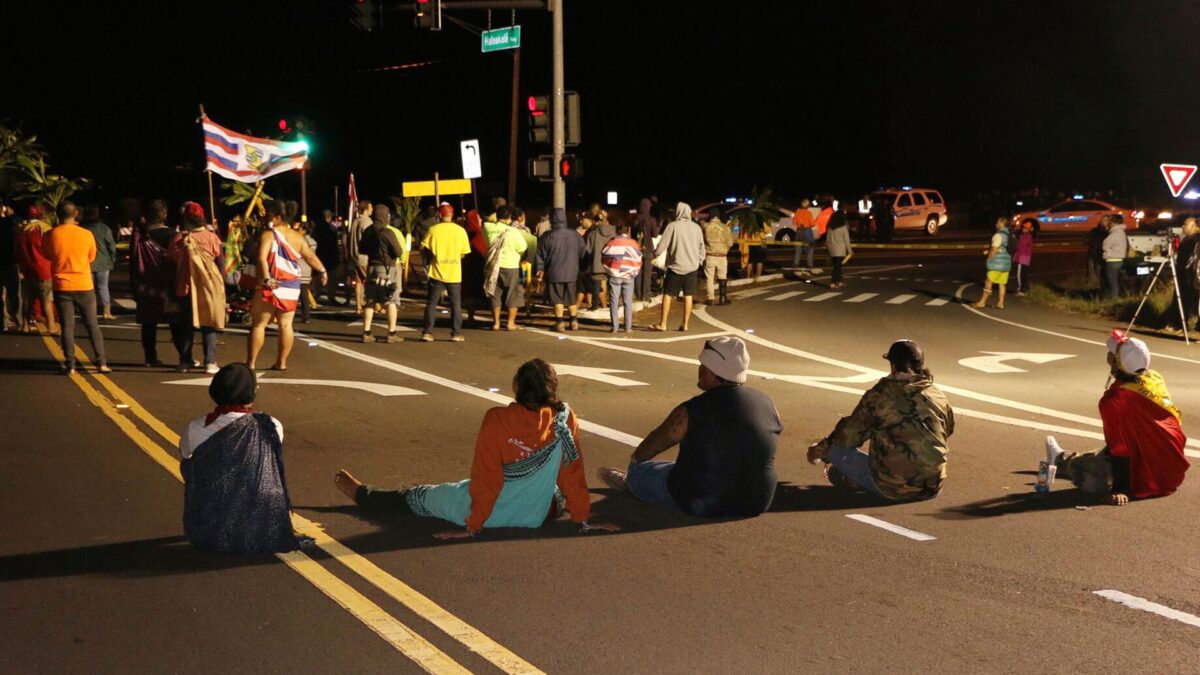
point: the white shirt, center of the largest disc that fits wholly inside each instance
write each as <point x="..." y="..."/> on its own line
<point x="198" y="432"/>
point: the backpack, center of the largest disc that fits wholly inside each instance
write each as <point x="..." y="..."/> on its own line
<point x="1011" y="244"/>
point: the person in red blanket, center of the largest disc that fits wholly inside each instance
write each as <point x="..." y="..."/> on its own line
<point x="1143" y="454"/>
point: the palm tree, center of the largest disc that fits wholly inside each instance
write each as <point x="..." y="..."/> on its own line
<point x="760" y="214"/>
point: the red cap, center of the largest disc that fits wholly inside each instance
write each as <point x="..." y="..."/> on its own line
<point x="193" y="212"/>
<point x="34" y="211"/>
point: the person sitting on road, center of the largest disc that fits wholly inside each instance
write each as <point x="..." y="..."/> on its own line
<point x="235" y="499"/>
<point x="1144" y="441"/>
<point x="727" y="438"/>
<point x="527" y="465"/>
<point x="907" y="420"/>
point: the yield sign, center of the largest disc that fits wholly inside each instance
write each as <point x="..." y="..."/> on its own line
<point x="994" y="362"/>
<point x="1177" y="176"/>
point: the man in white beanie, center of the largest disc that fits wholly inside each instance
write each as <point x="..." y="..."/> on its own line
<point x="1143" y="454"/>
<point x="727" y="438"/>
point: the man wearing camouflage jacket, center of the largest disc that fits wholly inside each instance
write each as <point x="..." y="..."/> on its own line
<point x="907" y="420"/>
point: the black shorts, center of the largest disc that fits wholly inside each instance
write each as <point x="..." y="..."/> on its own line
<point x="758" y="255"/>
<point x="680" y="282"/>
<point x="561" y="293"/>
<point x="509" y="290"/>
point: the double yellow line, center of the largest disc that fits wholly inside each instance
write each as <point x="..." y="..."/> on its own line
<point x="402" y="638"/>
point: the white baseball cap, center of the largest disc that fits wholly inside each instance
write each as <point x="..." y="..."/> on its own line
<point x="1133" y="356"/>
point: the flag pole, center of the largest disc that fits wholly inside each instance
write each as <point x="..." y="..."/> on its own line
<point x="304" y="194"/>
<point x="212" y="203"/>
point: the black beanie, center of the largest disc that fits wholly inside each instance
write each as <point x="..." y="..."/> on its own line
<point x="234" y="384"/>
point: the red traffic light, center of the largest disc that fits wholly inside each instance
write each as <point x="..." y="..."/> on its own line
<point x="567" y="167"/>
<point x="283" y="125"/>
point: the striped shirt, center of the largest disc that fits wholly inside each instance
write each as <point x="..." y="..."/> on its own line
<point x="622" y="257"/>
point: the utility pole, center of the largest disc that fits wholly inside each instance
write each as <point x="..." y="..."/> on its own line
<point x="558" y="114"/>
<point x="512" y="135"/>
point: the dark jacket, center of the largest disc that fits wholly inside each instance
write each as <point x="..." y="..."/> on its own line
<point x="380" y="246"/>
<point x="646" y="227"/>
<point x="594" y="242"/>
<point x="559" y="250"/>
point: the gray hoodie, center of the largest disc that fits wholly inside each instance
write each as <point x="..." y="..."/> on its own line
<point x="683" y="242"/>
<point x="594" y="242"/>
<point x="1115" y="242"/>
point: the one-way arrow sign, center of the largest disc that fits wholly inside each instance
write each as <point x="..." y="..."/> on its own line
<point x="994" y="361"/>
<point x="598" y="374"/>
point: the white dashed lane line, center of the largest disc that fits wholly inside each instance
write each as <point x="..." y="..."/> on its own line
<point x="1134" y="602"/>
<point x="884" y="525"/>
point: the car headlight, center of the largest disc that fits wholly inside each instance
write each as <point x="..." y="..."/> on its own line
<point x="1165" y="215"/>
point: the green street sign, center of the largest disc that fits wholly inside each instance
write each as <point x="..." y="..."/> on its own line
<point x="501" y="38"/>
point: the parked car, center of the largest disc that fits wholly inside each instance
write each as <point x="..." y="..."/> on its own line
<point x="1076" y="215"/>
<point x="781" y="228"/>
<point x="914" y="208"/>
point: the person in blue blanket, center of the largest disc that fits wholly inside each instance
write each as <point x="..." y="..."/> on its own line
<point x="235" y="497"/>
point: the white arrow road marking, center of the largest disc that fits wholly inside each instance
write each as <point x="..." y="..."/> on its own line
<point x="994" y="362"/>
<point x="1146" y="606"/>
<point x="883" y="524"/>
<point x="598" y="374"/>
<point x="371" y="387"/>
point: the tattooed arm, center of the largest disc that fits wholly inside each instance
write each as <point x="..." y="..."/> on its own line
<point x="667" y="435"/>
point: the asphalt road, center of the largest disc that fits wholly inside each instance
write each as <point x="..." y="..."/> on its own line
<point x="95" y="576"/>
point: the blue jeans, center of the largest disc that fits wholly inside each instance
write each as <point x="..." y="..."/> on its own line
<point x="436" y="290"/>
<point x="805" y="235"/>
<point x="100" y="281"/>
<point x="620" y="291"/>
<point x="855" y="465"/>
<point x="648" y="482"/>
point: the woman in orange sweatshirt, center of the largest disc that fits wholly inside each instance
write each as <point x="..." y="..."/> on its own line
<point x="527" y="467"/>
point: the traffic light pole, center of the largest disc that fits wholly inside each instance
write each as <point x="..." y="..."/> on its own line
<point x="558" y="114"/>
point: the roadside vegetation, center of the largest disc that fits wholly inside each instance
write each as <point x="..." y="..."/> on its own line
<point x="1081" y="296"/>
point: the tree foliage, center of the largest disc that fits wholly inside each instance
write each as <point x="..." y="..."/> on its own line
<point x="761" y="213"/>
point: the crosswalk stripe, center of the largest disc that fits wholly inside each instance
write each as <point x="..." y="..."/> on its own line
<point x="862" y="297"/>
<point x="822" y="297"/>
<point x="785" y="296"/>
<point x="901" y="299"/>
<point x="750" y="293"/>
<point x="937" y="302"/>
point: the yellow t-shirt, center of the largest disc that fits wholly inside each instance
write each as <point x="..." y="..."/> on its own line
<point x="448" y="243"/>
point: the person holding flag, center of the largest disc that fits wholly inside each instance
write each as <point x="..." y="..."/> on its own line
<point x="277" y="294"/>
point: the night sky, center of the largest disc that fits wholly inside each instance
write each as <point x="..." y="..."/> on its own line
<point x="692" y="100"/>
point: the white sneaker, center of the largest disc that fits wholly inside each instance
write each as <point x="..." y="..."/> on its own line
<point x="212" y="369"/>
<point x="1052" y="450"/>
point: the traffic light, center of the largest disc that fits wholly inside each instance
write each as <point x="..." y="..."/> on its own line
<point x="539" y="119"/>
<point x="363" y="13"/>
<point x="283" y="125"/>
<point x="570" y="168"/>
<point x="428" y="14"/>
<point x="571" y="106"/>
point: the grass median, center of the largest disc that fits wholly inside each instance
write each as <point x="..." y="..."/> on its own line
<point x="1081" y="296"/>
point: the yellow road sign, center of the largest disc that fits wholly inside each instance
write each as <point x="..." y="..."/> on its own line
<point x="425" y="188"/>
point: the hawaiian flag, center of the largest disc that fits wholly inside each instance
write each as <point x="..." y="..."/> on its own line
<point x="284" y="264"/>
<point x="247" y="159"/>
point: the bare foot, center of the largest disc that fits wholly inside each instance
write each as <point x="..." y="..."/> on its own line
<point x="347" y="484"/>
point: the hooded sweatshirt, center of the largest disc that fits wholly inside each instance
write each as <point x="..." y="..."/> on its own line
<point x="908" y="421"/>
<point x="597" y="237"/>
<point x="379" y="242"/>
<point x="1115" y="243"/>
<point x="646" y="225"/>
<point x="559" y="250"/>
<point x="682" y="242"/>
